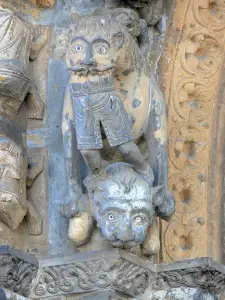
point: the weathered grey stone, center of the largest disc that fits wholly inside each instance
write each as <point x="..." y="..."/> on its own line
<point x="8" y="295"/>
<point x="184" y="294"/>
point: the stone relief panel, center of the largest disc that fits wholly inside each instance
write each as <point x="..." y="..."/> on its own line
<point x="102" y="106"/>
<point x="20" y="101"/>
<point x="190" y="89"/>
<point x="16" y="48"/>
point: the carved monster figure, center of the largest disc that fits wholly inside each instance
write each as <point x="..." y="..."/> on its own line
<point x="111" y="90"/>
<point x="16" y="46"/>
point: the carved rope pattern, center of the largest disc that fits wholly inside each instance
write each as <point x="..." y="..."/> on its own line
<point x="191" y="98"/>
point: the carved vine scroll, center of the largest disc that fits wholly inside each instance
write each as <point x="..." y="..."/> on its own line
<point x="191" y="69"/>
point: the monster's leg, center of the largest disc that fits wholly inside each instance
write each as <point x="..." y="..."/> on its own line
<point x="134" y="156"/>
<point x="93" y="159"/>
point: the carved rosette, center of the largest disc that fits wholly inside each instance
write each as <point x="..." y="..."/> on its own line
<point x="191" y="79"/>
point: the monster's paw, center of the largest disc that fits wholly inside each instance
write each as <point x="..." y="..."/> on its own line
<point x="81" y="228"/>
<point x="70" y="207"/>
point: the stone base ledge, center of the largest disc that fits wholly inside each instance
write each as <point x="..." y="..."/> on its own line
<point x="202" y="273"/>
<point x="106" y="272"/>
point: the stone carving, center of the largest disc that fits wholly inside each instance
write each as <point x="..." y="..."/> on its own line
<point x="149" y="10"/>
<point x="191" y="93"/>
<point x="16" y="275"/>
<point x="120" y="275"/>
<point x="18" y="44"/>
<point x="99" y="97"/>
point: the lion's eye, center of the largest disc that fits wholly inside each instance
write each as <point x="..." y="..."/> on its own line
<point x="78" y="48"/>
<point x="139" y="220"/>
<point x="101" y="48"/>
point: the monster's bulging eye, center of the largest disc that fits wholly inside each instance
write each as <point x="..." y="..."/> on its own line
<point x="111" y="217"/>
<point x="78" y="48"/>
<point x="101" y="48"/>
<point x="139" y="220"/>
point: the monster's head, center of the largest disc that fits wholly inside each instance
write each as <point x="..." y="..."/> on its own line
<point x="127" y="17"/>
<point x="101" y="45"/>
<point x="123" y="205"/>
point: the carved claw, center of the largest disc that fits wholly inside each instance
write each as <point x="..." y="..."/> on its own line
<point x="35" y="167"/>
<point x="34" y="220"/>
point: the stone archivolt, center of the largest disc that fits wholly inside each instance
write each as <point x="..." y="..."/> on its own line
<point x="194" y="67"/>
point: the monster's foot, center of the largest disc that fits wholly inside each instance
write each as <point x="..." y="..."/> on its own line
<point x="34" y="220"/>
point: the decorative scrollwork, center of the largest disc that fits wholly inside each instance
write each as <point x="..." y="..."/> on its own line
<point x="121" y="275"/>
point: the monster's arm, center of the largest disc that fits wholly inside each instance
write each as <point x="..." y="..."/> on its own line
<point x="71" y="155"/>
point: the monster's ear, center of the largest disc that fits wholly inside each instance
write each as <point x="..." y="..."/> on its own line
<point x="118" y="39"/>
<point x="157" y="196"/>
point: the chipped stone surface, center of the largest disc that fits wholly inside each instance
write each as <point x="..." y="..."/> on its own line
<point x="184" y="294"/>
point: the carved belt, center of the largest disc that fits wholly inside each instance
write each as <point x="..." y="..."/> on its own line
<point x="102" y="85"/>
